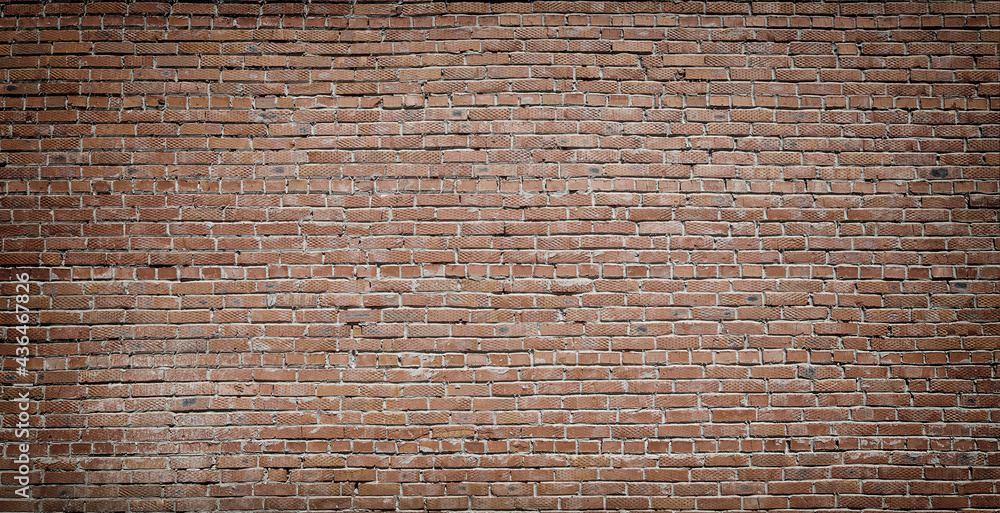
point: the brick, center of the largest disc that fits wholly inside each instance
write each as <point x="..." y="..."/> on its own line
<point x="495" y="256"/>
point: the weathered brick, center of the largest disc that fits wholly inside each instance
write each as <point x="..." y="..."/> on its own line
<point x="485" y="256"/>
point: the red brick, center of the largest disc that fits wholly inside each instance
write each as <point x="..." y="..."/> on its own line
<point x="485" y="256"/>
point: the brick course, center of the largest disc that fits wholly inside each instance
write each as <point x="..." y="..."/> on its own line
<point x="573" y="256"/>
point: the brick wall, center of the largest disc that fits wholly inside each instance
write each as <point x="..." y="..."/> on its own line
<point x="684" y="256"/>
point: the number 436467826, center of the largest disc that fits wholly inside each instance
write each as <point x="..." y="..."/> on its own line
<point x="21" y="311"/>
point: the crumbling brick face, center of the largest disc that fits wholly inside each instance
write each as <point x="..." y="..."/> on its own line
<point x="475" y="256"/>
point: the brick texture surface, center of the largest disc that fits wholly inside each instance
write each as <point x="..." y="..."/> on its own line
<point x="559" y="256"/>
